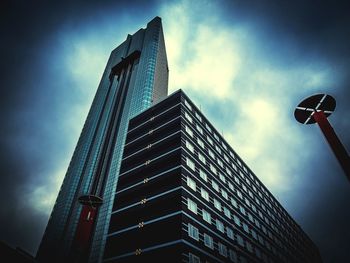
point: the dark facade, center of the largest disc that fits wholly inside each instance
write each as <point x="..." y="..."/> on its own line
<point x="184" y="195"/>
<point x="136" y="77"/>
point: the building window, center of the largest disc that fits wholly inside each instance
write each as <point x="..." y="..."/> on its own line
<point x="193" y="258"/>
<point x="208" y="241"/>
<point x="239" y="194"/>
<point x="222" y="249"/>
<point x="208" y="127"/>
<point x="211" y="154"/>
<point x="233" y="256"/>
<point x="218" y="149"/>
<point x="237" y="180"/>
<point x="234" y="202"/>
<point x="257" y="252"/>
<point x="241" y="208"/>
<point x="198" y="116"/>
<point x="200" y="143"/>
<point x="213" y="169"/>
<point x="199" y="129"/>
<point x="234" y="166"/>
<point x="189" y="146"/>
<point x="237" y="221"/>
<point x="255" y="236"/>
<point x="191" y="205"/>
<point x="227" y="212"/>
<point x="224" y="145"/>
<point x="245" y="227"/>
<point x="229" y="232"/>
<point x="190" y="164"/>
<point x="222" y="178"/>
<point x="203" y="175"/>
<point x="216" y="137"/>
<point x="224" y="194"/>
<point x="217" y="204"/>
<point x="188" y="117"/>
<point x="244" y="260"/>
<point x="191" y="184"/>
<point x="210" y="140"/>
<point x="204" y="194"/>
<point x="193" y="232"/>
<point x="188" y="105"/>
<point x="201" y="158"/>
<point x="215" y="185"/>
<point x="206" y="216"/>
<point x="250" y="217"/>
<point x="228" y="171"/>
<point x="240" y="240"/>
<point x="220" y="163"/>
<point x="220" y="226"/>
<point x="231" y="186"/>
<point x="188" y="130"/>
<point x="249" y="246"/>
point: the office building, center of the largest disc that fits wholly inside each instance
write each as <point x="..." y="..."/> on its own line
<point x="184" y="195"/>
<point x="136" y="77"/>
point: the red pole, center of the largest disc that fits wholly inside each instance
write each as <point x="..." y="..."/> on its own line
<point x="333" y="141"/>
<point x="83" y="234"/>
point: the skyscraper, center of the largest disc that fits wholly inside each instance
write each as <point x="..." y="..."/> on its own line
<point x="136" y="76"/>
<point x="184" y="195"/>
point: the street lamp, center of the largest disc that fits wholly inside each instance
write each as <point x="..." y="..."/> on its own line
<point x="316" y="109"/>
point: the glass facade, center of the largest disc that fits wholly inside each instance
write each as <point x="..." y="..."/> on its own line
<point x="136" y="76"/>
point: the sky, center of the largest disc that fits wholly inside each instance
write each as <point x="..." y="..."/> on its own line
<point x="246" y="64"/>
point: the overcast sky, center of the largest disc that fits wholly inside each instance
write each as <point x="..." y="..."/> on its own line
<point x="247" y="64"/>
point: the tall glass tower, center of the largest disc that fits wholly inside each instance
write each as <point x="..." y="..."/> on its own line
<point x="136" y="77"/>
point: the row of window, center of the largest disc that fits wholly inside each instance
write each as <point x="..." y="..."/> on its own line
<point x="208" y="128"/>
<point x="217" y="204"/>
<point x="237" y="180"/>
<point x="208" y="241"/>
<point x="246" y="200"/>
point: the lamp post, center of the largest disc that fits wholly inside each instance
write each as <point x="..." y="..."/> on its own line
<point x="316" y="109"/>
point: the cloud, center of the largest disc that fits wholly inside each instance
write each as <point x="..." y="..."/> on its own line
<point x="198" y="50"/>
<point x="254" y="91"/>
